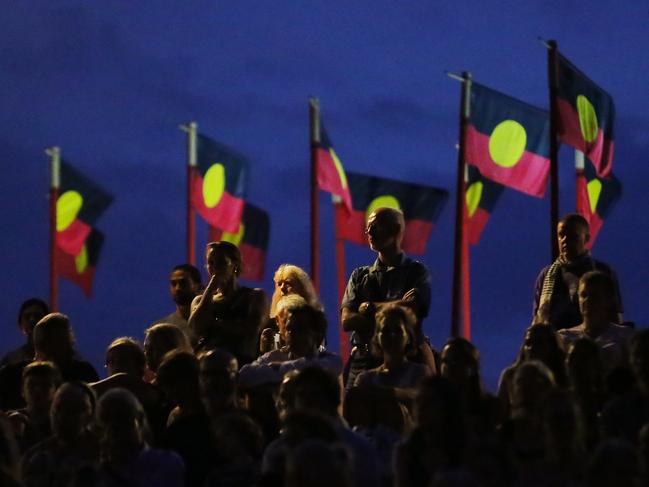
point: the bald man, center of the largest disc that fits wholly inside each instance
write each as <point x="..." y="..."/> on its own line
<point x="394" y="278"/>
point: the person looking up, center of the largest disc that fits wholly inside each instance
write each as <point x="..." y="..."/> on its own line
<point x="184" y="286"/>
<point x="30" y="313"/>
<point x="228" y="315"/>
<point x="556" y="298"/>
<point x="393" y="278"/>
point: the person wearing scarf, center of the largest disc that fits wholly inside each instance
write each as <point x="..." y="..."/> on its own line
<point x="555" y="297"/>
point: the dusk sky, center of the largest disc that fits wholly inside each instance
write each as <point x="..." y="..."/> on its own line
<point x="109" y="82"/>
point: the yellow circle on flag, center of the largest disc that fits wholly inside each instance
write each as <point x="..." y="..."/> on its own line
<point x="473" y="197"/>
<point x="213" y="185"/>
<point x="234" y="238"/>
<point x="67" y="208"/>
<point x="339" y="168"/>
<point x="81" y="260"/>
<point x="507" y="143"/>
<point x="587" y="119"/>
<point x="594" y="191"/>
<point x="383" y="201"/>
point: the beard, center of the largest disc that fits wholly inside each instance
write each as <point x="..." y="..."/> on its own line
<point x="184" y="298"/>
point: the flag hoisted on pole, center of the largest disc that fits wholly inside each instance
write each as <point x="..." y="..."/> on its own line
<point x="76" y="203"/>
<point x="219" y="184"/>
<point x="507" y="140"/>
<point x="461" y="302"/>
<point x="586" y="114"/>
<point x="596" y="196"/>
<point x="191" y="129"/>
<point x="54" y="154"/>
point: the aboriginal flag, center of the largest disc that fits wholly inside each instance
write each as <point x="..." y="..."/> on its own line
<point x="596" y="197"/>
<point x="421" y="206"/>
<point x="80" y="268"/>
<point x="331" y="175"/>
<point x="508" y="140"/>
<point x="586" y="115"/>
<point x="80" y="203"/>
<point x="219" y="185"/>
<point x="481" y="197"/>
<point x="252" y="240"/>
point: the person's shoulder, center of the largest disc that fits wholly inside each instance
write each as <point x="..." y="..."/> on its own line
<point x="360" y="271"/>
<point x="604" y="267"/>
<point x="622" y="331"/>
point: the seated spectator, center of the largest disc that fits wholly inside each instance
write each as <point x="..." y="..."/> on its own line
<point x="274" y="336"/>
<point x="239" y="448"/>
<point x="39" y="383"/>
<point x="127" y="460"/>
<point x="540" y="344"/>
<point x="54" y="342"/>
<point x="186" y="433"/>
<point x="184" y="286"/>
<point x="218" y="382"/>
<point x="438" y="441"/>
<point x="393" y="336"/>
<point x="306" y="327"/>
<point x="72" y="451"/>
<point x="316" y="390"/>
<point x="161" y="339"/>
<point x="227" y="315"/>
<point x="30" y="313"/>
<point x="126" y="365"/>
<point x="597" y="303"/>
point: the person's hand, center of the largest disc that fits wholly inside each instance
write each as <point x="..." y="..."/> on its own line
<point x="267" y="340"/>
<point x="410" y="295"/>
<point x="212" y="286"/>
<point x="367" y="308"/>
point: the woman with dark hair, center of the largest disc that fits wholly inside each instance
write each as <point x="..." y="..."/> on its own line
<point x="392" y="341"/>
<point x="540" y="344"/>
<point x="228" y="315"/>
<point x="30" y="313"/>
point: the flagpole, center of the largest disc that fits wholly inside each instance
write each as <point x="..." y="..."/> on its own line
<point x="54" y="154"/>
<point x="466" y="272"/>
<point x="554" y="146"/>
<point x="459" y="267"/>
<point x="191" y="129"/>
<point x="341" y="276"/>
<point x="314" y="141"/>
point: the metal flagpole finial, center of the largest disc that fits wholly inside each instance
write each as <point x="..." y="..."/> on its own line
<point x="54" y="154"/>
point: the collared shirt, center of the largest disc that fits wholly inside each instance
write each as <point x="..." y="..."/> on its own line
<point x="379" y="282"/>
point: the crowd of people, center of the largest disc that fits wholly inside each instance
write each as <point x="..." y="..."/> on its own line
<point x="234" y="389"/>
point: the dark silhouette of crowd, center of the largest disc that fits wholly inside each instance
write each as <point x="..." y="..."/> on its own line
<point x="233" y="389"/>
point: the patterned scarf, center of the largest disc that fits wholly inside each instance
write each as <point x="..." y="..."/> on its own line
<point x="554" y="273"/>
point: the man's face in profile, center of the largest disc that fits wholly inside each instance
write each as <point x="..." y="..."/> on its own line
<point x="182" y="288"/>
<point x="381" y="230"/>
